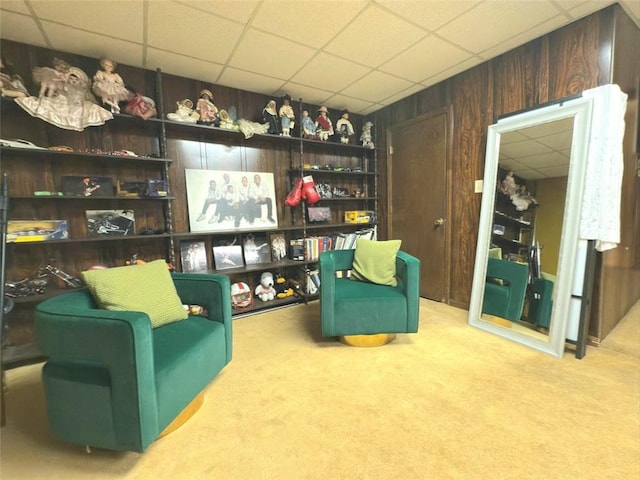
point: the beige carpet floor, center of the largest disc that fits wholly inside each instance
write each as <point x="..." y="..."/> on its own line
<point x="451" y="402"/>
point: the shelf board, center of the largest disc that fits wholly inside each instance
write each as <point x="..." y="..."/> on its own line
<point x="343" y="199"/>
<point x="321" y="171"/>
<point x="82" y="198"/>
<point x="95" y="239"/>
<point x="46" y="154"/>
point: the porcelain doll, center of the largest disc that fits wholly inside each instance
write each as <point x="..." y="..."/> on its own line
<point x="366" y="138"/>
<point x="12" y="84"/>
<point x="206" y="108"/>
<point x="184" y="112"/>
<point x="308" y="126"/>
<point x="324" y="127"/>
<point x="270" y="117"/>
<point x="72" y="108"/>
<point x="109" y="86"/>
<point x="344" y="127"/>
<point x="286" y="116"/>
<point x="140" y="106"/>
<point x="51" y="80"/>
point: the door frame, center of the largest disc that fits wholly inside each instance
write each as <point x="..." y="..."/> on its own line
<point x="448" y="112"/>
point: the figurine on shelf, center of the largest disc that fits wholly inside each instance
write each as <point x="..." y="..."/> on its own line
<point x="344" y="127"/>
<point x="226" y="120"/>
<point x="206" y="109"/>
<point x="12" y="84"/>
<point x="367" y="138"/>
<point x="184" y="112"/>
<point x="249" y="128"/>
<point x="72" y="108"/>
<point x="51" y="80"/>
<point x="139" y="105"/>
<point x="308" y="126"/>
<point x="270" y="117"/>
<point x="324" y="127"/>
<point x="109" y="86"/>
<point x="287" y="116"/>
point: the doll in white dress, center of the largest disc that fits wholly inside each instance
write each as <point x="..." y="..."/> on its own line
<point x="109" y="86"/>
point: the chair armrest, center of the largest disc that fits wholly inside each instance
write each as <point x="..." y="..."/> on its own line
<point x="71" y="333"/>
<point x="333" y="261"/>
<point x="213" y="292"/>
<point x="408" y="270"/>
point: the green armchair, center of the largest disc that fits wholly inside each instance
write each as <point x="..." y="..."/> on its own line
<point x="111" y="381"/>
<point x="505" y="289"/>
<point x="354" y="308"/>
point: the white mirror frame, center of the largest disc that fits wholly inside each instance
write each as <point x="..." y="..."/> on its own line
<point x="581" y="111"/>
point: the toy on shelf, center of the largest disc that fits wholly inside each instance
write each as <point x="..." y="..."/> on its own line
<point x="270" y="117"/>
<point x="265" y="291"/>
<point x="324" y="126"/>
<point x="109" y="86"/>
<point x="139" y="106"/>
<point x="367" y="137"/>
<point x="12" y="84"/>
<point x="206" y="109"/>
<point x="184" y="112"/>
<point x="308" y="126"/>
<point x="344" y="127"/>
<point x="287" y="116"/>
<point x="70" y="105"/>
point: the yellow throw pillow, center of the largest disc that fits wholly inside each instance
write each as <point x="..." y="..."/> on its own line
<point x="144" y="288"/>
<point x="375" y="261"/>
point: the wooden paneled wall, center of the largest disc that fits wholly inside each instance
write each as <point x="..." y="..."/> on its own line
<point x="596" y="50"/>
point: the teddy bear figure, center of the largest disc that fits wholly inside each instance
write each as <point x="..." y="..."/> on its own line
<point x="265" y="290"/>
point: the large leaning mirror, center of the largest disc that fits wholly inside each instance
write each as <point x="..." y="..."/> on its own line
<point x="528" y="232"/>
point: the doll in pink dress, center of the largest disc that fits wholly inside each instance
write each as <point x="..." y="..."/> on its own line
<point x="109" y="86"/>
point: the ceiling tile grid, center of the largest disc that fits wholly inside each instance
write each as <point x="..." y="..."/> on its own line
<point x="356" y="54"/>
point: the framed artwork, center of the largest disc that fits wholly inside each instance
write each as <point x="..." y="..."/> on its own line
<point x="227" y="201"/>
<point x="193" y="256"/>
<point x="110" y="223"/>
<point x="229" y="256"/>
<point x="278" y="246"/>
<point x="256" y="249"/>
<point x="87" y="186"/>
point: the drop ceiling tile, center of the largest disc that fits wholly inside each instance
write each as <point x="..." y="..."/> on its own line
<point x="550" y="159"/>
<point x="430" y="15"/>
<point x="376" y="87"/>
<point x="402" y="94"/>
<point x="182" y="65"/>
<point x="270" y="55"/>
<point x="252" y="82"/>
<point x="374" y="37"/>
<point x="321" y="72"/>
<point x="184" y="31"/>
<point x="239" y="12"/>
<point x="372" y="110"/>
<point x="92" y="44"/>
<point x="557" y="171"/>
<point x="322" y="20"/>
<point x="338" y="103"/>
<point x="525" y="37"/>
<point x="429" y="55"/>
<point x="20" y="28"/>
<point x="471" y="62"/>
<point x="491" y="22"/>
<point x="521" y="149"/>
<point x="16" y="6"/>
<point x="314" y="96"/>
<point x="119" y="18"/>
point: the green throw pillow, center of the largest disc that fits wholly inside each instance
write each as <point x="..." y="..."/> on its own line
<point x="375" y="261"/>
<point x="144" y="288"/>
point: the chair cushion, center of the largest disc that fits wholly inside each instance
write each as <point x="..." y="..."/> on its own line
<point x="375" y="261"/>
<point x="146" y="288"/>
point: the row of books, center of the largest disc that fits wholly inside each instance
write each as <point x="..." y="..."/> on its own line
<point x="309" y="248"/>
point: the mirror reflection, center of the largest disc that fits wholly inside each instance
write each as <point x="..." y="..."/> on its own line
<point x="524" y="250"/>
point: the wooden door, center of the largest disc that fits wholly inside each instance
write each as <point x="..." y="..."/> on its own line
<point x="419" y="194"/>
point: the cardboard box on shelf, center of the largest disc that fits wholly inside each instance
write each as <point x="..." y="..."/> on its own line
<point x="359" y="216"/>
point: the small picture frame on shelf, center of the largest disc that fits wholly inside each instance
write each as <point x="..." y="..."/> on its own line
<point x="87" y="186"/>
<point x="256" y="249"/>
<point x="278" y="245"/>
<point x="193" y="256"/>
<point x="229" y="256"/>
<point x="110" y="223"/>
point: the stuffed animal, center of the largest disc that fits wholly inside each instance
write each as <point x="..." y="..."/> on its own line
<point x="283" y="290"/>
<point x="296" y="287"/>
<point x="265" y="291"/>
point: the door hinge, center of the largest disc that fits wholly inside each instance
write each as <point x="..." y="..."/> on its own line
<point x="390" y="149"/>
